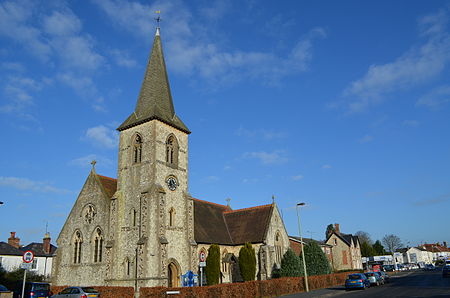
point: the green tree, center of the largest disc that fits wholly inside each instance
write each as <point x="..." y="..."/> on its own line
<point x="379" y="248"/>
<point x="247" y="262"/>
<point x="367" y="250"/>
<point x="213" y="265"/>
<point x="316" y="260"/>
<point x="330" y="229"/>
<point x="290" y="264"/>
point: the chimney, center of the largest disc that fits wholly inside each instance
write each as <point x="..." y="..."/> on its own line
<point x="445" y="243"/>
<point x="46" y="243"/>
<point x="336" y="228"/>
<point x="13" y="241"/>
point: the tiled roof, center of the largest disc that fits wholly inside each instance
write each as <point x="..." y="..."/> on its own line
<point x="248" y="225"/>
<point x="214" y="223"/>
<point x="38" y="249"/>
<point x="209" y="223"/>
<point x="109" y="184"/>
<point x="155" y="99"/>
<point x="9" y="250"/>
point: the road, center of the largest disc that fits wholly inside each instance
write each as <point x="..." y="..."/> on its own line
<point x="404" y="284"/>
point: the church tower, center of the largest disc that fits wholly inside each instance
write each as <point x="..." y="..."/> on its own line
<point x="151" y="237"/>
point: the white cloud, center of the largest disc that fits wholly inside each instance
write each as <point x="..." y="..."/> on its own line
<point x="18" y="92"/>
<point x="326" y="166"/>
<point x="14" y="17"/>
<point x="30" y="185"/>
<point x="122" y="58"/>
<point x="268" y="158"/>
<point x="417" y="66"/>
<point x="85" y="161"/>
<point x="366" y="139"/>
<point x="103" y="136"/>
<point x="14" y="66"/>
<point x="297" y="177"/>
<point x="201" y="55"/>
<point x="210" y="179"/>
<point x="435" y="98"/>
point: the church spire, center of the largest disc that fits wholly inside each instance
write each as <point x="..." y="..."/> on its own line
<point x="155" y="99"/>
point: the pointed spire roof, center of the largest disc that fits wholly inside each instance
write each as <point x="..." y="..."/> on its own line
<point x="155" y="99"/>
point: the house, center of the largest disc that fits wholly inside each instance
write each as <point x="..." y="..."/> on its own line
<point x="417" y="255"/>
<point x="438" y="251"/>
<point x="346" y="250"/>
<point x="327" y="249"/>
<point x="11" y="255"/>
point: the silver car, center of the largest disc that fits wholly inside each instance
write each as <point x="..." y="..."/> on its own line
<point x="77" y="292"/>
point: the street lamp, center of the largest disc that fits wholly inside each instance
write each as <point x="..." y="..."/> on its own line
<point x="301" y="244"/>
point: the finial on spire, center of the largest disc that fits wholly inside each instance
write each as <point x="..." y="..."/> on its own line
<point x="158" y="20"/>
<point x="228" y="202"/>
<point x="93" y="164"/>
<point x="273" y="199"/>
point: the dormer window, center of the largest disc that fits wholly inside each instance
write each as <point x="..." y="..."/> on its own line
<point x="137" y="149"/>
<point x="172" y="150"/>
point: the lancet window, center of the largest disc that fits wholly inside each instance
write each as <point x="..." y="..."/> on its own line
<point x="137" y="149"/>
<point x="98" y="245"/>
<point x="77" y="241"/>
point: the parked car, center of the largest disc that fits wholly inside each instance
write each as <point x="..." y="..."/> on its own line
<point x="446" y="271"/>
<point x="386" y="278"/>
<point x="374" y="278"/>
<point x="429" y="267"/>
<point x="32" y="289"/>
<point x="389" y="268"/>
<point x="77" y="292"/>
<point x="357" y="281"/>
<point x="3" y="289"/>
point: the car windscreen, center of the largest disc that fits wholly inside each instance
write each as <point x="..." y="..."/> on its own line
<point x="89" y="290"/>
<point x="354" y="276"/>
<point x="41" y="287"/>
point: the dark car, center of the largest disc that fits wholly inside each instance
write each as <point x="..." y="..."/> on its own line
<point x="389" y="268"/>
<point x="3" y="289"/>
<point x="385" y="276"/>
<point x="446" y="271"/>
<point x="32" y="290"/>
<point x="356" y="281"/>
<point x="77" y="292"/>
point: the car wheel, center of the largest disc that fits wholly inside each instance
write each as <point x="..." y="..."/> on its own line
<point x="378" y="283"/>
<point x="364" y="287"/>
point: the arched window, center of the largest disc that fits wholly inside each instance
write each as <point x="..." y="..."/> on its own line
<point x="224" y="263"/>
<point x="133" y="217"/>
<point x="172" y="150"/>
<point x="98" y="245"/>
<point x="137" y="149"/>
<point x="77" y="241"/>
<point x="278" y="248"/>
<point x="128" y="267"/>
<point x="171" y="217"/>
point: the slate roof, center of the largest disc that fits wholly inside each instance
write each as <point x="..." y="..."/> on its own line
<point x="38" y="249"/>
<point x="109" y="184"/>
<point x="9" y="250"/>
<point x="215" y="223"/>
<point x="307" y="240"/>
<point x="155" y="98"/>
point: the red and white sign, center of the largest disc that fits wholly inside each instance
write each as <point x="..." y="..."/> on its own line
<point x="202" y="256"/>
<point x="28" y="256"/>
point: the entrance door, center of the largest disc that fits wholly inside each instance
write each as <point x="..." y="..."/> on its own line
<point x="174" y="276"/>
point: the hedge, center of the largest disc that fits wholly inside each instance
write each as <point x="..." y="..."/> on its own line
<point x="257" y="288"/>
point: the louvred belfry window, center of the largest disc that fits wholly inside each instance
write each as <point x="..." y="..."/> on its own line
<point x="172" y="150"/>
<point x="137" y="149"/>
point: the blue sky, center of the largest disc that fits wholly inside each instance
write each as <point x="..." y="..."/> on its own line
<point x="343" y="105"/>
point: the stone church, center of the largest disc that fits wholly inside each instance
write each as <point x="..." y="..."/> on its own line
<point x="143" y="229"/>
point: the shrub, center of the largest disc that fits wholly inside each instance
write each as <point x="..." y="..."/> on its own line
<point x="316" y="261"/>
<point x="290" y="265"/>
<point x="213" y="265"/>
<point x="247" y="262"/>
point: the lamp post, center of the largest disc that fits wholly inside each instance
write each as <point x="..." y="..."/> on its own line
<point x="301" y="244"/>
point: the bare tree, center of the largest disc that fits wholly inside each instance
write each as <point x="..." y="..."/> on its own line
<point x="364" y="237"/>
<point x="392" y="243"/>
